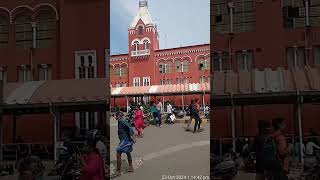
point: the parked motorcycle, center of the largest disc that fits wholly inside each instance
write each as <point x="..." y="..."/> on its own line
<point x="178" y="113"/>
<point x="250" y="162"/>
<point x="224" y="167"/>
<point x="312" y="170"/>
<point x="68" y="166"/>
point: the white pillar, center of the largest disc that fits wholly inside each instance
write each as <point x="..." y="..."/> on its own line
<point x="34" y="35"/>
<point x="56" y="135"/>
<point x="203" y="103"/>
<point x="182" y="100"/>
<point x="306" y="3"/>
<point x="162" y="103"/>
<point x="233" y="129"/>
<point x="1" y="135"/>
<point x="127" y="104"/>
<point x="300" y="130"/>
<point x="1" y="121"/>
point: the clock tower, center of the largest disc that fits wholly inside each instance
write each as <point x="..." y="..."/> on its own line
<point x="143" y="42"/>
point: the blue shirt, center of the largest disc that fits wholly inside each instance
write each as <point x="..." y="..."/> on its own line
<point x="124" y="129"/>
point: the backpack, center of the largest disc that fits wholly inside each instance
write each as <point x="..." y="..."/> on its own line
<point x="193" y="110"/>
<point x="269" y="155"/>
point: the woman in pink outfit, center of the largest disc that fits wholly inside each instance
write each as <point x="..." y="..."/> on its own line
<point x="139" y="122"/>
<point x="92" y="165"/>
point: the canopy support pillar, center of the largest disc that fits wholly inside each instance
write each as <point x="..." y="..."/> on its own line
<point x="14" y="129"/>
<point x="233" y="125"/>
<point x="299" y="106"/>
<point x="162" y="103"/>
<point x="127" y="104"/>
<point x="56" y="126"/>
<point x="1" y="120"/>
<point x="182" y="103"/>
<point x="204" y="104"/>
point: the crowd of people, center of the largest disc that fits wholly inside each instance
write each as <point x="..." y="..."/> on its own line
<point x="91" y="161"/>
<point x="274" y="151"/>
<point x="127" y="135"/>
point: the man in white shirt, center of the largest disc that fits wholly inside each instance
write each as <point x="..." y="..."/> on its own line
<point x="310" y="156"/>
<point x="159" y="108"/>
<point x="310" y="148"/>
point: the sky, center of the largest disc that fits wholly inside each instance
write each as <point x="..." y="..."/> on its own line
<point x="179" y="22"/>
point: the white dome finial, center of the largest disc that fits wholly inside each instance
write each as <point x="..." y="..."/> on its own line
<point x="143" y="3"/>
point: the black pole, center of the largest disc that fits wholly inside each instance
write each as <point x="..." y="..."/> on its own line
<point x="14" y="129"/>
<point x="1" y="123"/>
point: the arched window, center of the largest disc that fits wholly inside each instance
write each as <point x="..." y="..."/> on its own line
<point x="146" y="44"/>
<point x="124" y="70"/>
<point x="140" y="30"/>
<point x="46" y="29"/>
<point x="203" y="64"/>
<point x="185" y="66"/>
<point x="136" y="46"/>
<point x="82" y="68"/>
<point x="90" y="68"/>
<point x="178" y="66"/>
<point x="4" y="31"/>
<point x="23" y="31"/>
<point x="169" y="64"/>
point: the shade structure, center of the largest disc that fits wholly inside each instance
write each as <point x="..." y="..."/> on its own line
<point x="165" y="90"/>
<point x="35" y="95"/>
<point x="54" y="97"/>
<point x="267" y="86"/>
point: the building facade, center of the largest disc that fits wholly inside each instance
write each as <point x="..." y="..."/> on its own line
<point x="146" y="64"/>
<point x="52" y="40"/>
<point x="258" y="34"/>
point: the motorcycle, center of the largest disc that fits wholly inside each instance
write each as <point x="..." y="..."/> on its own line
<point x="224" y="167"/>
<point x="250" y="162"/>
<point x="178" y="113"/>
<point x="312" y="170"/>
<point x="68" y="166"/>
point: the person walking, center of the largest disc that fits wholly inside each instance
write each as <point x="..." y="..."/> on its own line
<point x="257" y="147"/>
<point x="159" y="109"/>
<point x="191" y="110"/>
<point x="169" y="113"/>
<point x="139" y="122"/>
<point x="127" y="139"/>
<point x="198" y="120"/>
<point x="278" y="166"/>
<point x="154" y="111"/>
<point x="92" y="164"/>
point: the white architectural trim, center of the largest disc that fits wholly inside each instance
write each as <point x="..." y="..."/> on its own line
<point x="135" y="40"/>
<point x="202" y="55"/>
<point x="32" y="9"/>
<point x="183" y="58"/>
<point x="137" y="27"/>
<point x="49" y="5"/>
<point x="145" y="38"/>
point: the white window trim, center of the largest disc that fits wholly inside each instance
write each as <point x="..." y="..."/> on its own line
<point x="85" y="53"/>
<point x="136" y="80"/>
<point x="148" y="80"/>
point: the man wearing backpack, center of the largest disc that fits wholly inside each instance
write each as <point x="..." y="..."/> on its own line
<point x="275" y="152"/>
<point x="257" y="147"/>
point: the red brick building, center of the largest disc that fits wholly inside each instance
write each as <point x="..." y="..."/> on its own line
<point x="248" y="36"/>
<point x="52" y="40"/>
<point x="146" y="64"/>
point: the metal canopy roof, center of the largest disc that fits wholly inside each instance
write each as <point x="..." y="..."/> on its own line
<point x="69" y="95"/>
<point x="280" y="86"/>
<point x="166" y="90"/>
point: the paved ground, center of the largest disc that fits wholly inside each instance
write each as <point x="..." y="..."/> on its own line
<point x="166" y="152"/>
